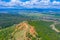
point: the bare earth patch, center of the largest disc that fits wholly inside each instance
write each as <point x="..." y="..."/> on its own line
<point x="22" y="30"/>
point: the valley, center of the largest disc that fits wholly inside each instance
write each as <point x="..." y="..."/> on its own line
<point x="30" y="26"/>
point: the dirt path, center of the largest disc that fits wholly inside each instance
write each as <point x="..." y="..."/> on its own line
<point x="54" y="28"/>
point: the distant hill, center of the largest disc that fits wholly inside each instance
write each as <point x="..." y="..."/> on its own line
<point x="7" y="19"/>
<point x="29" y="10"/>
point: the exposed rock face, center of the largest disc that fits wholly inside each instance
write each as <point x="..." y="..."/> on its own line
<point x="24" y="31"/>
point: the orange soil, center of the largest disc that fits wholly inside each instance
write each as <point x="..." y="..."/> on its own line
<point x="28" y="28"/>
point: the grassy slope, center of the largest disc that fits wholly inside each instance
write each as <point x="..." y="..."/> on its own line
<point x="57" y="26"/>
<point x="44" y="30"/>
<point x="5" y="33"/>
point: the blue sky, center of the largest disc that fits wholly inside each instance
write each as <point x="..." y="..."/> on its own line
<point x="30" y="4"/>
<point x="24" y="0"/>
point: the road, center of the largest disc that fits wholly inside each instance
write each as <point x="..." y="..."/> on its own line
<point x="54" y="28"/>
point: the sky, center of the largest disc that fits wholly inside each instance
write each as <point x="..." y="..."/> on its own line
<point x="30" y="4"/>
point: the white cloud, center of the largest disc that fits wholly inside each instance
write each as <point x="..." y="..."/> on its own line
<point x="37" y="4"/>
<point x="30" y="4"/>
<point x="45" y="2"/>
<point x="56" y="3"/>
